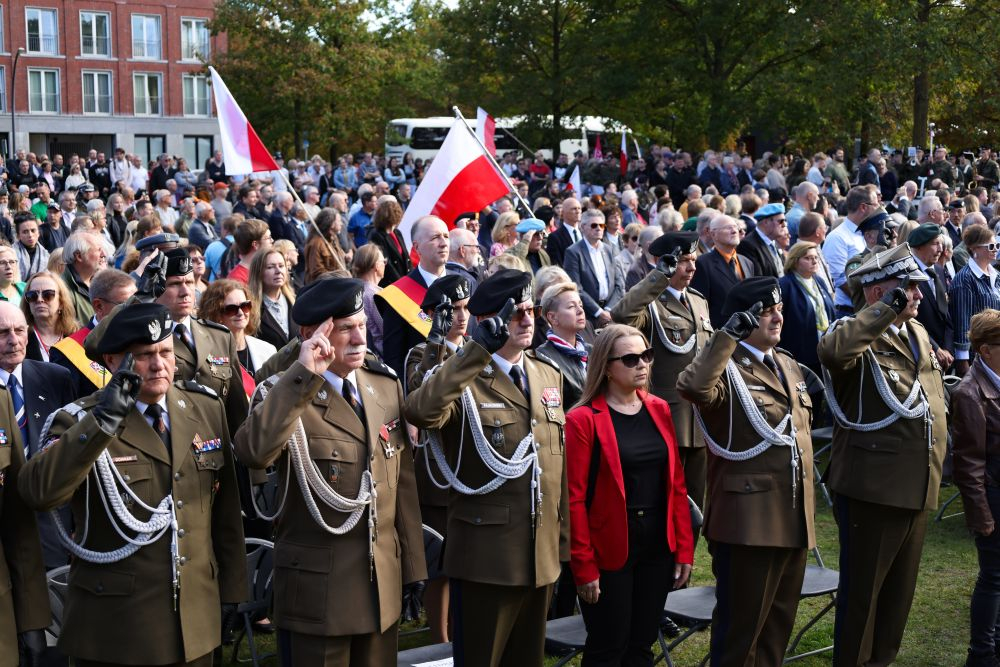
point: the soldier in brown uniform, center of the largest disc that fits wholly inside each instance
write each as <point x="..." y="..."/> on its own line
<point x="508" y="522"/>
<point x="889" y="440"/>
<point x="987" y="170"/>
<point x="160" y="452"/>
<point x="759" y="522"/>
<point x="675" y="318"/>
<point x="348" y="539"/>
<point x="447" y="304"/>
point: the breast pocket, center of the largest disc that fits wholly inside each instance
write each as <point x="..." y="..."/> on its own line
<point x="498" y="427"/>
<point x="556" y="421"/>
<point x="899" y="372"/>
<point x="339" y="461"/>
<point x="139" y="477"/>
<point x="389" y="452"/>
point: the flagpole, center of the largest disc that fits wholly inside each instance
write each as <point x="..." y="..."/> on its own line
<point x="503" y="174"/>
<point x="312" y="221"/>
<point x="519" y="142"/>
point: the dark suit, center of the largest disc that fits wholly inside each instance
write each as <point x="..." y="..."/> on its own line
<point x="201" y="234"/>
<point x="397" y="264"/>
<point x="270" y="331"/>
<point x="558" y="242"/>
<point x="398" y="337"/>
<point x="158" y="178"/>
<point x="759" y="251"/>
<point x="285" y="227"/>
<point x="582" y="271"/>
<point x="868" y="176"/>
<point x="714" y="278"/>
<point x="933" y="312"/>
<point x="799" y="335"/>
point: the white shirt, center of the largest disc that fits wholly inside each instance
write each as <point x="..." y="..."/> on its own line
<point x="601" y="269"/>
<point x="337" y="383"/>
<point x="677" y="293"/>
<point x="279" y="311"/>
<point x="504" y="366"/>
<point x="843" y="243"/>
<point x="574" y="232"/>
<point x="428" y="277"/>
<point x="141" y="407"/>
<point x="5" y="378"/>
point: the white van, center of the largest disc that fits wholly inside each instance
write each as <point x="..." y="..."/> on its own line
<point x="423" y="136"/>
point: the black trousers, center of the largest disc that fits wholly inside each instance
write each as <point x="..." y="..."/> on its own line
<point x="622" y="624"/>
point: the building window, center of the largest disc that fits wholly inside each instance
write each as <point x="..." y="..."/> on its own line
<point x="97" y="93"/>
<point x="3" y="91"/>
<point x="194" y="39"/>
<point x="95" y="34"/>
<point x="197" y="150"/>
<point x="150" y="146"/>
<point x="43" y="36"/>
<point x="196" y="96"/>
<point x="148" y="89"/>
<point x="146" y="37"/>
<point x="1" y="35"/>
<point x="43" y="90"/>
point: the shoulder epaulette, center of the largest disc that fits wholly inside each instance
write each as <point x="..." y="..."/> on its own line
<point x="76" y="409"/>
<point x="784" y="352"/>
<point x="543" y="359"/>
<point x="692" y="290"/>
<point x="374" y="365"/>
<point x="213" y="325"/>
<point x="191" y="385"/>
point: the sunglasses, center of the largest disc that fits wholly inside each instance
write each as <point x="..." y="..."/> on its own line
<point x="992" y="247"/>
<point x="633" y="238"/>
<point x="45" y="294"/>
<point x="230" y="310"/>
<point x="597" y="225"/>
<point x="632" y="360"/>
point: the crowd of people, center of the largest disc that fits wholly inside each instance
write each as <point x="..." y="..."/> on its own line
<point x="559" y="385"/>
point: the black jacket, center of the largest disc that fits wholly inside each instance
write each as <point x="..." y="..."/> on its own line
<point x="397" y="264"/>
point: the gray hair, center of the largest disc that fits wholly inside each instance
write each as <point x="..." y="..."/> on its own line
<point x="706" y="217"/>
<point x="459" y="237"/>
<point x="591" y="214"/>
<point x="648" y="235"/>
<point x="95" y="205"/>
<point x="926" y="205"/>
<point x="201" y="207"/>
<point x="281" y="197"/>
<point x="78" y="242"/>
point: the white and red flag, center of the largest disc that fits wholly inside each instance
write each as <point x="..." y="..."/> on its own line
<point x="486" y="129"/>
<point x="242" y="150"/>
<point x="623" y="158"/>
<point x="461" y="178"/>
<point x="574" y="181"/>
<point x="598" y="154"/>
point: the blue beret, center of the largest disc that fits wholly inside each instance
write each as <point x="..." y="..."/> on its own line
<point x="768" y="210"/>
<point x="530" y="225"/>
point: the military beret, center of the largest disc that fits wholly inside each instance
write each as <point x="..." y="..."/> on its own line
<point x="768" y="210"/>
<point x="544" y="213"/>
<point x="178" y="262"/>
<point x="957" y="203"/>
<point x="759" y="288"/>
<point x="874" y="221"/>
<point x="277" y="155"/>
<point x="924" y="234"/>
<point x="666" y="244"/>
<point x="137" y="323"/>
<point x="156" y="240"/>
<point x="892" y="263"/>
<point x="328" y="298"/>
<point x="492" y="293"/>
<point x="466" y="216"/>
<point x="454" y="287"/>
<point x="529" y="225"/>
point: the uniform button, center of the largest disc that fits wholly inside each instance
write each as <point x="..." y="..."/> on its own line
<point x="874" y="445"/>
<point x="183" y="560"/>
<point x="878" y="311"/>
<point x="180" y="533"/>
<point x="126" y="478"/>
<point x="83" y="437"/>
<point x="99" y="588"/>
<point x="177" y="475"/>
<point x="478" y="520"/>
<point x="298" y="379"/>
<point x="747" y="487"/>
<point x="180" y="504"/>
<point x="336" y="454"/>
<point x="295" y="563"/>
<point x="534" y="422"/>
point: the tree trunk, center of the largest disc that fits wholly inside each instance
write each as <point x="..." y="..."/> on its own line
<point x="557" y="82"/>
<point x="921" y="80"/>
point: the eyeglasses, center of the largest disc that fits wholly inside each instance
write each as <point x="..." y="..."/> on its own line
<point x="8" y="262"/>
<point x="597" y="225"/>
<point x="632" y="360"/>
<point x="45" y="294"/>
<point x="232" y="309"/>
<point x="992" y="247"/>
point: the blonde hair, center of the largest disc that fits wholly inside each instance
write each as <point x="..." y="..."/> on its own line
<point x="499" y="233"/>
<point x="984" y="328"/>
<point x="597" y="360"/>
<point x="797" y="252"/>
<point x="65" y="315"/>
<point x="552" y="293"/>
<point x="255" y="283"/>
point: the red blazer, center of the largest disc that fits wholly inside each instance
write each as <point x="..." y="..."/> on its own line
<point x="599" y="537"/>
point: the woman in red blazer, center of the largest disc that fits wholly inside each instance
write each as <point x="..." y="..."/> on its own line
<point x="630" y="525"/>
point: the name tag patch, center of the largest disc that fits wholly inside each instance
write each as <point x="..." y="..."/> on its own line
<point x="493" y="406"/>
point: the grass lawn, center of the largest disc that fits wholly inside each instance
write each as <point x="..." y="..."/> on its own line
<point x="937" y="631"/>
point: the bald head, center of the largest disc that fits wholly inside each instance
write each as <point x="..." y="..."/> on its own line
<point x="13" y="336"/>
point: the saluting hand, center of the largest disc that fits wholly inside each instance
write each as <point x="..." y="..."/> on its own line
<point x="741" y="325"/>
<point x="441" y="321"/>
<point x="492" y="333"/>
<point x="317" y="353"/>
<point x="667" y="265"/>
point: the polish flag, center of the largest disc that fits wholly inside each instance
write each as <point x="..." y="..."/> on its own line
<point x="486" y="130"/>
<point x="574" y="181"/>
<point x="242" y="150"/>
<point x="598" y="154"/>
<point x="461" y="178"/>
<point x="623" y="158"/>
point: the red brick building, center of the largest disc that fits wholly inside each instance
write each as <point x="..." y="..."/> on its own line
<point x="105" y="73"/>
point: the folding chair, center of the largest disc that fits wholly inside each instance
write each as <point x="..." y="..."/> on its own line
<point x="941" y="516"/>
<point x="819" y="580"/>
<point x="260" y="569"/>
<point x="423" y="654"/>
<point x="57" y="582"/>
<point x="690" y="608"/>
<point x="565" y="637"/>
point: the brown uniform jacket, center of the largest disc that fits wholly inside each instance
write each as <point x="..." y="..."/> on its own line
<point x="490" y="537"/>
<point x="124" y="612"/>
<point x="215" y="365"/>
<point x="679" y="322"/>
<point x="24" y="600"/>
<point x="751" y="502"/>
<point x="421" y="359"/>
<point x="280" y="361"/>
<point x="322" y="582"/>
<point x="892" y="466"/>
<point x="975" y="412"/>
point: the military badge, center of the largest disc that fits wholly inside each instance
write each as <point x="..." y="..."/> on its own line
<point x="204" y="446"/>
<point x="155" y="329"/>
<point x="4" y="440"/>
<point x="218" y="361"/>
<point x="551" y="397"/>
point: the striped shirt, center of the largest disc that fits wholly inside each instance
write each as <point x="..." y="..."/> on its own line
<point x="972" y="291"/>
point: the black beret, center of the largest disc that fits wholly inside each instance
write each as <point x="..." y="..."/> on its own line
<point x="155" y="240"/>
<point x="493" y="292"/>
<point x="178" y="262"/>
<point x="143" y="323"/>
<point x="454" y="287"/>
<point x="466" y="216"/>
<point x="957" y="203"/>
<point x="759" y="288"/>
<point x="924" y="234"/>
<point x="664" y="245"/>
<point x="874" y="221"/>
<point x="328" y="298"/>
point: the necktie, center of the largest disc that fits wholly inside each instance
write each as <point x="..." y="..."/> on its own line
<point x="155" y="414"/>
<point x="769" y="362"/>
<point x="777" y="259"/>
<point x="182" y="334"/>
<point x="574" y="234"/>
<point x="520" y="380"/>
<point x="347" y="391"/>
<point x="682" y="299"/>
<point x="19" y="413"/>
<point x="908" y="342"/>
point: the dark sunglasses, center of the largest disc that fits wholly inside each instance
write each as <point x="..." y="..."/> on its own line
<point x="45" y="294"/>
<point x="633" y="238"/>
<point x="632" y="360"/>
<point x="597" y="225"/>
<point x="233" y="308"/>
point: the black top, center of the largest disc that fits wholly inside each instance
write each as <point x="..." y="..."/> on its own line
<point x="644" y="459"/>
